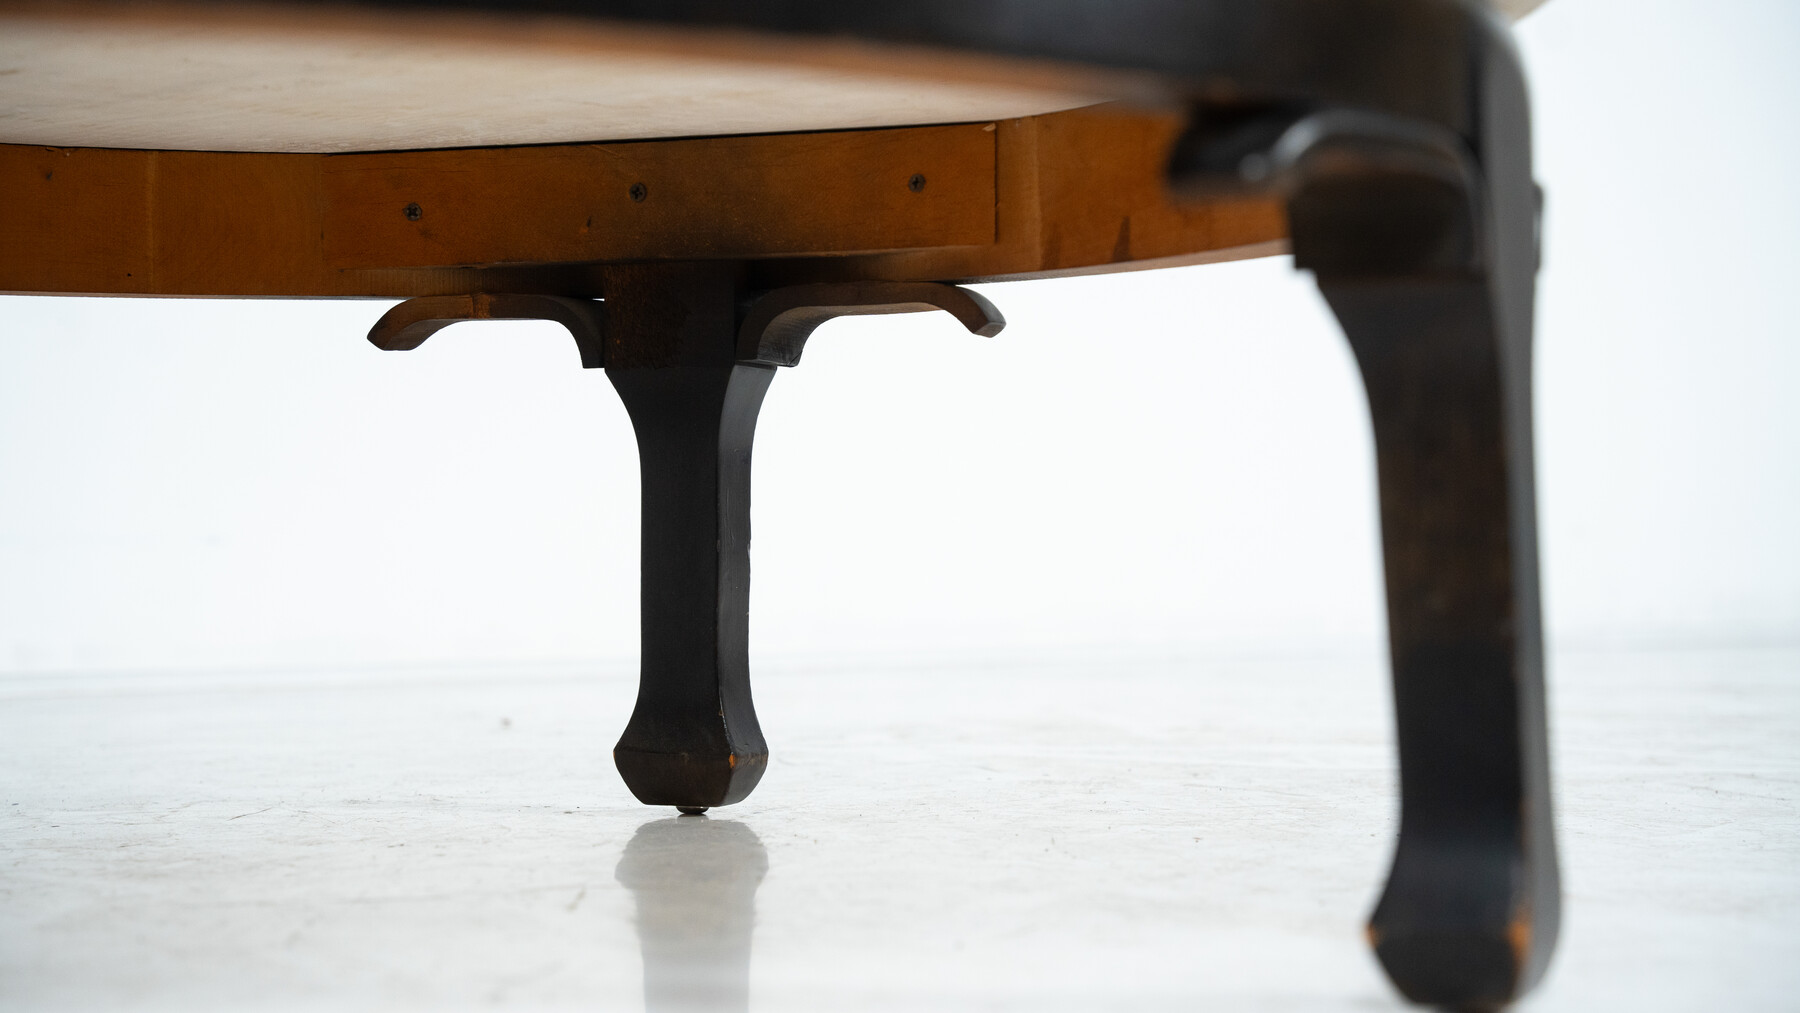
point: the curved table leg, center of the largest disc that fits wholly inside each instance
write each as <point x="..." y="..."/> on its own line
<point x="1427" y="257"/>
<point x="693" y="740"/>
<point x="1470" y="910"/>
<point x="692" y="363"/>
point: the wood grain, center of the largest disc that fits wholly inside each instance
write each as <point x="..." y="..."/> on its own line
<point x="1079" y="192"/>
<point x="1064" y="193"/>
<point x="75" y="220"/>
<point x="314" y="78"/>
<point x="727" y="197"/>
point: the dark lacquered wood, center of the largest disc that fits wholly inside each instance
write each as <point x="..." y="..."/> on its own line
<point x="693" y="739"/>
<point x="1425" y="246"/>
<point x="692" y="360"/>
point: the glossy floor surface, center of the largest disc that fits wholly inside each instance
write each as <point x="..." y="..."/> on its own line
<point x="1078" y="832"/>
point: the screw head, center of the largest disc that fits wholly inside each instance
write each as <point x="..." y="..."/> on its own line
<point x="639" y="191"/>
<point x="916" y="183"/>
<point x="413" y="212"/>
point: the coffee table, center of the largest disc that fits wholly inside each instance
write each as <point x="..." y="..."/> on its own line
<point x="691" y="187"/>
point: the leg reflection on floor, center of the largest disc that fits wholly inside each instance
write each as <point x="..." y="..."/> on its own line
<point x="694" y="880"/>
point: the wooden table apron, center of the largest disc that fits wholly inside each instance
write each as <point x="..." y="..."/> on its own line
<point x="1010" y="199"/>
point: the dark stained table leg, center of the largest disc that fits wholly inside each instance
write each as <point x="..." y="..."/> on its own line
<point x="691" y="356"/>
<point x="692" y="360"/>
<point x="1427" y="256"/>
<point x="1470" y="911"/>
<point x="693" y="739"/>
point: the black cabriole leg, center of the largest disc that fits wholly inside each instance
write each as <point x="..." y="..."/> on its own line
<point x="1422" y="233"/>
<point x="693" y="739"/>
<point x="1427" y="257"/>
<point x="1470" y="910"/>
<point x="692" y="375"/>
<point x="667" y="337"/>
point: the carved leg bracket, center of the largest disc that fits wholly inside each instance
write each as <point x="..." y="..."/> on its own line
<point x="691" y="357"/>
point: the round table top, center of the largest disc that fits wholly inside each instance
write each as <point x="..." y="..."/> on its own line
<point x="272" y="79"/>
<point x="212" y="77"/>
<point x="211" y="149"/>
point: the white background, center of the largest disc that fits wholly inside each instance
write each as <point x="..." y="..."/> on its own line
<point x="1175" y="459"/>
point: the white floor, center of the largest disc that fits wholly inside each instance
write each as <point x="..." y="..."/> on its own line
<point x="1079" y="832"/>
